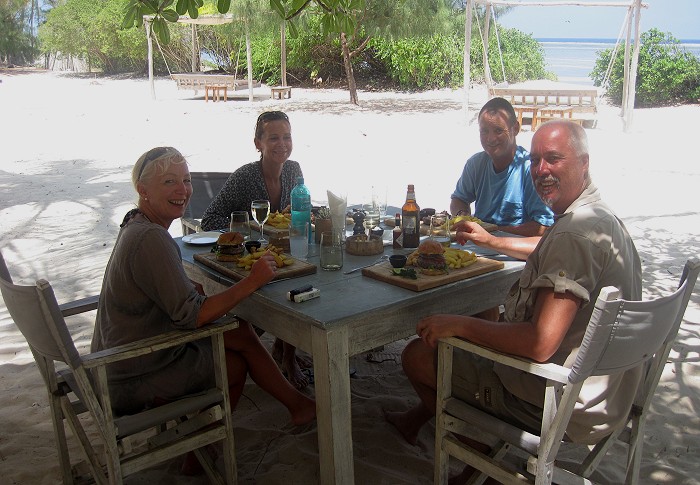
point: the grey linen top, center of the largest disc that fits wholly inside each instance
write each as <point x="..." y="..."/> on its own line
<point x="245" y="185"/>
<point x="145" y="292"/>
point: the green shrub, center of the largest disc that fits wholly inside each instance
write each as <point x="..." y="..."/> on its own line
<point x="667" y="74"/>
<point x="421" y="62"/>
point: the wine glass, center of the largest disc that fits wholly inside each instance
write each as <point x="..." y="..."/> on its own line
<point x="260" y="210"/>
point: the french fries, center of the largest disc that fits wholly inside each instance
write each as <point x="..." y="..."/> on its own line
<point x="281" y="259"/>
<point x="456" y="258"/>
<point x="457" y="219"/>
<point x="459" y="258"/>
<point x="279" y="220"/>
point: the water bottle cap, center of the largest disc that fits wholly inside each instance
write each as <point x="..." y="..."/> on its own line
<point x="300" y="180"/>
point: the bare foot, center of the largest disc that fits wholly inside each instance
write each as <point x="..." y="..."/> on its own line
<point x="294" y="375"/>
<point x="304" y="362"/>
<point x="304" y="410"/>
<point x="405" y="423"/>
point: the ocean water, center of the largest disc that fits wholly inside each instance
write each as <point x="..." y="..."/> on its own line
<point x="572" y="60"/>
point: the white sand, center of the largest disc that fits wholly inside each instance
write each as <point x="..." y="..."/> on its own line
<point x="68" y="144"/>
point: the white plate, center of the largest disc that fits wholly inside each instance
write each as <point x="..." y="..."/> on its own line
<point x="202" y="238"/>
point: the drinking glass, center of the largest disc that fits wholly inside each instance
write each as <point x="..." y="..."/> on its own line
<point x="371" y="211"/>
<point x="440" y="229"/>
<point x="260" y="210"/>
<point x="299" y="240"/>
<point x="331" y="251"/>
<point x="240" y="222"/>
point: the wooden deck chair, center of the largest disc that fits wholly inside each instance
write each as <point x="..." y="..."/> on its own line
<point x="117" y="446"/>
<point x="621" y="335"/>
<point x="205" y="186"/>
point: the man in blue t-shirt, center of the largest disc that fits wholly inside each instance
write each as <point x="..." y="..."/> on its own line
<point x="498" y="179"/>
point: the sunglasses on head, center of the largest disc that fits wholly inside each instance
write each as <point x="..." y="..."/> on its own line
<point x="151" y="155"/>
<point x="272" y="116"/>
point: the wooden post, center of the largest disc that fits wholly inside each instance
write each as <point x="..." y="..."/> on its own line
<point x="467" y="49"/>
<point x="249" y="62"/>
<point x="193" y="61"/>
<point x="283" y="49"/>
<point x="147" y="25"/>
<point x="626" y="66"/>
<point x="487" y="29"/>
<point x="629" y="109"/>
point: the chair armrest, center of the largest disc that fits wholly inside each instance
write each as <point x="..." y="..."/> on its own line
<point x="156" y="343"/>
<point x="549" y="371"/>
<point x="79" y="306"/>
<point x="190" y="225"/>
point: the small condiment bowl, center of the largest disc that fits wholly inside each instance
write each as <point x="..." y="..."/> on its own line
<point x="397" y="260"/>
<point x="251" y="246"/>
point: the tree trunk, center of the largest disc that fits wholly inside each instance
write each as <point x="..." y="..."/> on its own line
<point x="352" y="87"/>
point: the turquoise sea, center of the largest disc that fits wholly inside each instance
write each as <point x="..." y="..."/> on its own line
<point x="572" y="60"/>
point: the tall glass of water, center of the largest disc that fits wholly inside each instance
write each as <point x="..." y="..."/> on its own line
<point x="260" y="210"/>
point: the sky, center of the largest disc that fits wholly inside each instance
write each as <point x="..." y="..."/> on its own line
<point x="679" y="17"/>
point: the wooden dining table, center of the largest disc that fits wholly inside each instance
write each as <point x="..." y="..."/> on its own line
<point x="353" y="314"/>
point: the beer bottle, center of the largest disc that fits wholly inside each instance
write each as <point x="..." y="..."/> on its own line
<point x="410" y="220"/>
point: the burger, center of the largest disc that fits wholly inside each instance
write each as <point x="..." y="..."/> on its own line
<point x="431" y="259"/>
<point x="229" y="246"/>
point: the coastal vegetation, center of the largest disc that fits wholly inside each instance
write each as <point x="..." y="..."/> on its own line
<point x="667" y="73"/>
<point x="383" y="44"/>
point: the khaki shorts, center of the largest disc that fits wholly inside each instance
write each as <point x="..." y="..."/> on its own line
<point x="475" y="382"/>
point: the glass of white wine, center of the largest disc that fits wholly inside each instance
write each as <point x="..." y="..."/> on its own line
<point x="260" y="210"/>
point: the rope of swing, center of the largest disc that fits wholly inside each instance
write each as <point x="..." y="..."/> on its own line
<point x="608" y="72"/>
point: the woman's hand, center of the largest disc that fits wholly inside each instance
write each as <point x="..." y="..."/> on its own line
<point x="471" y="231"/>
<point x="198" y="287"/>
<point x="263" y="270"/>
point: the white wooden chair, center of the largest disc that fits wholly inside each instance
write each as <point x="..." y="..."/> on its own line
<point x="205" y="186"/>
<point x="621" y="335"/>
<point x="117" y="446"/>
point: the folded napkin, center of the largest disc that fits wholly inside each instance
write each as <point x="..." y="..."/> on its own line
<point x="339" y="207"/>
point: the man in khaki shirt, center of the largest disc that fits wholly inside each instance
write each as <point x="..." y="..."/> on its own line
<point x="547" y="310"/>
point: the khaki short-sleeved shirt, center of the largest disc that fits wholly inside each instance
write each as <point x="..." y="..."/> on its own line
<point x="586" y="249"/>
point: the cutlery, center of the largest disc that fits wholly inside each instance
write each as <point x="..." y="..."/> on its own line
<point x="383" y="258"/>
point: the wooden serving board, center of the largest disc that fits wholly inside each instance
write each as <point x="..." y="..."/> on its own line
<point x="383" y="272"/>
<point x="299" y="268"/>
<point x="270" y="230"/>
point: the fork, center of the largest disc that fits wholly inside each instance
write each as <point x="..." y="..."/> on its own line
<point x="383" y="258"/>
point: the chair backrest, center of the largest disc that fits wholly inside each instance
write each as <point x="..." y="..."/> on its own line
<point x="622" y="334"/>
<point x="35" y="311"/>
<point x="205" y="186"/>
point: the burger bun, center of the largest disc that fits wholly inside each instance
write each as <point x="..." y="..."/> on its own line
<point x="430" y="247"/>
<point x="229" y="246"/>
<point x="230" y="239"/>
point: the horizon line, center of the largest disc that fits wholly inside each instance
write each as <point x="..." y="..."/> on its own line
<point x="599" y="39"/>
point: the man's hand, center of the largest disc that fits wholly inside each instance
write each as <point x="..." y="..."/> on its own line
<point x="432" y="328"/>
<point x="471" y="231"/>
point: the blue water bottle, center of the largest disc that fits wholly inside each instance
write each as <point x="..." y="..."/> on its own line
<point x="301" y="205"/>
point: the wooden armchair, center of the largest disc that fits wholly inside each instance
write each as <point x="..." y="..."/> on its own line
<point x="116" y="446"/>
<point x="621" y="335"/>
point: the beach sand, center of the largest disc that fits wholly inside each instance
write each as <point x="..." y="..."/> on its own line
<point x="68" y="145"/>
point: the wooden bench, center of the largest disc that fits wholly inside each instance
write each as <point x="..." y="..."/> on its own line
<point x="200" y="81"/>
<point x="280" y="92"/>
<point x="546" y="103"/>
